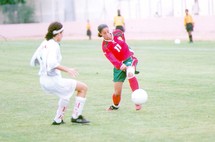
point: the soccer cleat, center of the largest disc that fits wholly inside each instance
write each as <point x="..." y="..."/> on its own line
<point x="80" y="120"/>
<point x="55" y="123"/>
<point x="138" y="107"/>
<point x="136" y="72"/>
<point x="112" y="107"/>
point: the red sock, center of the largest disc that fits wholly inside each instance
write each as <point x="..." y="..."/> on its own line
<point x="116" y="99"/>
<point x="133" y="83"/>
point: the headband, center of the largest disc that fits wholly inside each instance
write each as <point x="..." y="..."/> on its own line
<point x="57" y="31"/>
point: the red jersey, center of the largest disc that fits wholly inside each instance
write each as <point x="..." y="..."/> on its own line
<point x="116" y="50"/>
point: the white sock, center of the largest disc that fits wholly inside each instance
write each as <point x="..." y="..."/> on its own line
<point x="62" y="106"/>
<point x="78" y="108"/>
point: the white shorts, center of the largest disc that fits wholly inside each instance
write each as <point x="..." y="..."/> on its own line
<point x="62" y="87"/>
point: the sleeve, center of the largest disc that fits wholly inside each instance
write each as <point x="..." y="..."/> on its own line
<point x="119" y="34"/>
<point x="52" y="61"/>
<point x="116" y="63"/>
<point x="35" y="59"/>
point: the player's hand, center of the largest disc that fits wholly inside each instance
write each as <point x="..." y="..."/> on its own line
<point x="72" y="72"/>
<point x="123" y="67"/>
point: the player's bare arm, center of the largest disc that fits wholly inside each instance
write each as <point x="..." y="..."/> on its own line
<point x="72" y="72"/>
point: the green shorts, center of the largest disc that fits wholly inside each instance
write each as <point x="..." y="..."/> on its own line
<point x="119" y="75"/>
<point x="189" y="27"/>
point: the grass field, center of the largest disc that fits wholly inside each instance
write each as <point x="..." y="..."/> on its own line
<point x="180" y="81"/>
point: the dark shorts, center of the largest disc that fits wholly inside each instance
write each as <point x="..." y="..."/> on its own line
<point x="119" y="75"/>
<point x="189" y="27"/>
<point x="89" y="33"/>
<point x="120" y="28"/>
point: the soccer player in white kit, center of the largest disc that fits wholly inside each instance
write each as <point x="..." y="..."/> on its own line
<point x="48" y="56"/>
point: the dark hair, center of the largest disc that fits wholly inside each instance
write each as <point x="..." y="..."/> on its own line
<point x="53" y="26"/>
<point x="99" y="35"/>
<point x="186" y="10"/>
<point x="100" y="28"/>
<point x="118" y="12"/>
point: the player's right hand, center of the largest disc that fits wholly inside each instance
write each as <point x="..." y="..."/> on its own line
<point x="72" y="72"/>
<point x="123" y="67"/>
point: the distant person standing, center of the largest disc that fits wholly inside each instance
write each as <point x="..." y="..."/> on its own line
<point x="119" y="22"/>
<point x="189" y="24"/>
<point x="89" y="33"/>
<point x="196" y="8"/>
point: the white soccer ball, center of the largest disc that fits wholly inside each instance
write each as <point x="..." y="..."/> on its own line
<point x="139" y="96"/>
<point x="177" y="41"/>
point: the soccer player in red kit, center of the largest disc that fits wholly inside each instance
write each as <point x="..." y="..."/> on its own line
<point x="121" y="56"/>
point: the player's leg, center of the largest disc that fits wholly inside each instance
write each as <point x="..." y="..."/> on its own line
<point x="116" y="97"/>
<point x="90" y="35"/>
<point x="117" y="93"/>
<point x="80" y="100"/>
<point x="62" y="106"/>
<point x="119" y="77"/>
<point x="130" y="73"/>
<point x="133" y="82"/>
<point x="64" y="89"/>
<point x="54" y="85"/>
<point x="189" y="28"/>
<point x="131" y="64"/>
<point x="190" y="36"/>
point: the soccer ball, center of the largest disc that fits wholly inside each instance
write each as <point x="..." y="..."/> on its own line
<point x="177" y="41"/>
<point x="139" y="96"/>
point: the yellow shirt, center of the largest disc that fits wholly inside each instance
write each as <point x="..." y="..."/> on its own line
<point x="118" y="21"/>
<point x="188" y="19"/>
<point x="88" y="26"/>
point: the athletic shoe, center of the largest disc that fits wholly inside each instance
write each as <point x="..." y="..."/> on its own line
<point x="136" y="72"/>
<point x="55" y="123"/>
<point x="112" y="107"/>
<point x="138" y="107"/>
<point x="80" y="120"/>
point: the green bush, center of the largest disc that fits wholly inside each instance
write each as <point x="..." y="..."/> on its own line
<point x="18" y="13"/>
<point x="4" y="2"/>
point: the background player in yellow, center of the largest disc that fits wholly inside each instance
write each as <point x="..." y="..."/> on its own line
<point x="119" y="22"/>
<point x="189" y="24"/>
<point x="88" y="27"/>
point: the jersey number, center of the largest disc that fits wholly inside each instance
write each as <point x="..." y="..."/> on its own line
<point x="118" y="47"/>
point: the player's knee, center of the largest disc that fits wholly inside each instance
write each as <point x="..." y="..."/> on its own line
<point x="118" y="92"/>
<point x="81" y="87"/>
<point x="130" y="72"/>
<point x="130" y="75"/>
<point x="84" y="87"/>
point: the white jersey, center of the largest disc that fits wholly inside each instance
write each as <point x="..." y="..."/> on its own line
<point x="48" y="56"/>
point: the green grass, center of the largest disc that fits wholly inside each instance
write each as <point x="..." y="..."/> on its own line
<point x="180" y="81"/>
